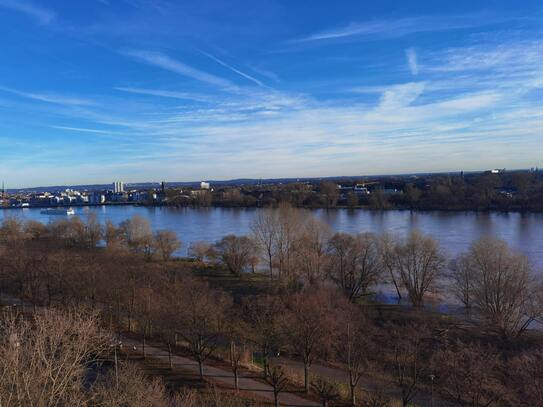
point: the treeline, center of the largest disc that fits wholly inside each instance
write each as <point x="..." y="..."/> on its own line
<point x="313" y="311"/>
<point x="507" y="191"/>
<point x="504" y="191"/>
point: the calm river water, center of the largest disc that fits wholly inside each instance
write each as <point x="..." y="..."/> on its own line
<point x="454" y="230"/>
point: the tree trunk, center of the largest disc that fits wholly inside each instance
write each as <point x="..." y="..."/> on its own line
<point x="396" y="286"/>
<point x="143" y="342"/>
<point x="236" y="379"/>
<point x="170" y="355"/>
<point x="201" y="369"/>
<point x="353" y="395"/>
<point x="276" y="398"/>
<point x="306" y="377"/>
<point x="265" y="362"/>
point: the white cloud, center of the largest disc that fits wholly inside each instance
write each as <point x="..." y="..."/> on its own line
<point x="165" y="62"/>
<point x="243" y="74"/>
<point x="165" y="93"/>
<point x="412" y="61"/>
<point x="401" y="95"/>
<point x="83" y="130"/>
<point x="42" y="15"/>
<point x="506" y="55"/>
<point x="398" y="28"/>
<point x="50" y="97"/>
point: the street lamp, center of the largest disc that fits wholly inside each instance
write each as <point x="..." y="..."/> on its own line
<point x="118" y="344"/>
<point x="432" y="378"/>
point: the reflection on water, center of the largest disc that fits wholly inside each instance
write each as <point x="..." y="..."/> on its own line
<point x="454" y="230"/>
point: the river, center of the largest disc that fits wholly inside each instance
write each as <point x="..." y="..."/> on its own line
<point x="453" y="230"/>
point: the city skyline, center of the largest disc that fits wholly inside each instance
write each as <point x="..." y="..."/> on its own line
<point x="144" y="90"/>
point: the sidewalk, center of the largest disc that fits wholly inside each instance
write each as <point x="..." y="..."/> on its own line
<point x="223" y="377"/>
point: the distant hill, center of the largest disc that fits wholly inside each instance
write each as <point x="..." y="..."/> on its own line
<point x="232" y="182"/>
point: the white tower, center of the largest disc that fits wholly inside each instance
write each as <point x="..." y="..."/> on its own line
<point x="118" y="186"/>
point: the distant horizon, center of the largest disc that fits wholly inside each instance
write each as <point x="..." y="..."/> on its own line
<point x="231" y="180"/>
<point x="268" y="88"/>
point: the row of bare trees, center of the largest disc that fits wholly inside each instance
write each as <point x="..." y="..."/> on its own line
<point x="314" y="324"/>
<point x="297" y="247"/>
<point x="133" y="234"/>
<point x="494" y="283"/>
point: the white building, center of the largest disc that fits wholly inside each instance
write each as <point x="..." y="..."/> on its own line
<point x="97" y="198"/>
<point x="361" y="189"/>
<point x="204" y="185"/>
<point x="118" y="186"/>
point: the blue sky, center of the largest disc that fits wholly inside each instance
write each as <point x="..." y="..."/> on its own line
<point x="149" y="90"/>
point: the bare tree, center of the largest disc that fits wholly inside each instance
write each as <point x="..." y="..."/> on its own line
<point x="111" y="233"/>
<point x="34" y="229"/>
<point x="310" y="251"/>
<point x="200" y="250"/>
<point x="526" y="372"/>
<point x="137" y="235"/>
<point x="278" y="379"/>
<point x="326" y="391"/>
<point x="235" y="329"/>
<point x="377" y="398"/>
<point x="467" y="374"/>
<point x="354" y="263"/>
<point x="263" y="313"/>
<point x="75" y="232"/>
<point x="289" y="228"/>
<point x="129" y="386"/>
<point x="354" y="345"/>
<point x="12" y="229"/>
<point x="329" y="192"/>
<point x="387" y="244"/>
<point x="502" y="288"/>
<point x="43" y="360"/>
<point x="462" y="278"/>
<point x="235" y="253"/>
<point x="308" y="327"/>
<point x="93" y="230"/>
<point x="264" y="230"/>
<point x="407" y="365"/>
<point x="166" y="243"/>
<point x="418" y="262"/>
<point x="200" y="319"/>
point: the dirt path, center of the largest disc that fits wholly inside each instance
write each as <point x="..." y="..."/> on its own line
<point x="223" y="377"/>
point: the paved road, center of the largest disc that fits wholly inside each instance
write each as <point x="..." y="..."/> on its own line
<point x="224" y="377"/>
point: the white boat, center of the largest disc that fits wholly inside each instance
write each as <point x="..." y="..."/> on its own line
<point x="58" y="211"/>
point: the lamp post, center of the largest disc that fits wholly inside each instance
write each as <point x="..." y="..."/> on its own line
<point x="432" y="378"/>
<point x="115" y="361"/>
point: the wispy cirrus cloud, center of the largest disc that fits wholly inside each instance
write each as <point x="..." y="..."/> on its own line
<point x="163" y="61"/>
<point x="165" y="93"/>
<point x="84" y="130"/>
<point x="266" y="73"/>
<point x="412" y="62"/>
<point x="512" y="65"/>
<point x="240" y="73"/>
<point x="520" y="55"/>
<point x="50" y="97"/>
<point x="39" y="13"/>
<point x="401" y="95"/>
<point x="397" y="28"/>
